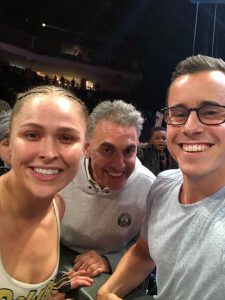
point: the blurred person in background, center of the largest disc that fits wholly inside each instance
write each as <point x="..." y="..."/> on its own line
<point x="4" y="141"/>
<point x="154" y="155"/>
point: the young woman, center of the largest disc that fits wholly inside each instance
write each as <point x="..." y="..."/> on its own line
<point x="47" y="131"/>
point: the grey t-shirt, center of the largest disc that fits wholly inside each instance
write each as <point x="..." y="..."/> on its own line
<point x="187" y="242"/>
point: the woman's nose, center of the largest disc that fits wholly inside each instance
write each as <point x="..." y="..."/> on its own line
<point x="48" y="149"/>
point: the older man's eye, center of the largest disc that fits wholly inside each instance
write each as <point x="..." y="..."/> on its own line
<point x="130" y="151"/>
<point x="106" y="151"/>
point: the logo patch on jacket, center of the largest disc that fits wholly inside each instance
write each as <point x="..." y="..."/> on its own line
<point x="124" y="220"/>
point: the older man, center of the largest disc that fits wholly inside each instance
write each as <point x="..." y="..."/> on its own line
<point x="105" y="203"/>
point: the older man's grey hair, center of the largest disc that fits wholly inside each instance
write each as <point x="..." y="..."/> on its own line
<point x="117" y="111"/>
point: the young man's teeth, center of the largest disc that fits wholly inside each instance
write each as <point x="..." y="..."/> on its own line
<point x="46" y="171"/>
<point x="195" y="148"/>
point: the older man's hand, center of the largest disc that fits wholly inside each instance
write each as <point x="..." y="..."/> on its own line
<point x="92" y="262"/>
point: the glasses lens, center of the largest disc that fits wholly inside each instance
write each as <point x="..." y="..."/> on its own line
<point x="176" y="115"/>
<point x="212" y="114"/>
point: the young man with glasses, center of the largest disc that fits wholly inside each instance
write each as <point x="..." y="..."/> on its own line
<point x="184" y="233"/>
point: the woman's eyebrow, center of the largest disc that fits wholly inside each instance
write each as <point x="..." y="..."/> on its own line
<point x="40" y="127"/>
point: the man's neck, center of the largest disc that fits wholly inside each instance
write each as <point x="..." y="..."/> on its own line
<point x="195" y="189"/>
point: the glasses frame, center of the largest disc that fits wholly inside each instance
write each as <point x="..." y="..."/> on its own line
<point x="189" y="110"/>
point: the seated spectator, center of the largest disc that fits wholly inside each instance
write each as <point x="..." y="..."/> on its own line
<point x="154" y="154"/>
<point x="4" y="141"/>
<point x="4" y="105"/>
<point x="105" y="202"/>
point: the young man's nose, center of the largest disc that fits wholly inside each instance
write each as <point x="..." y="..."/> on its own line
<point x="193" y="123"/>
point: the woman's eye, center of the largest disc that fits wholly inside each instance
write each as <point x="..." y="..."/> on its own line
<point x="67" y="139"/>
<point x="32" y="135"/>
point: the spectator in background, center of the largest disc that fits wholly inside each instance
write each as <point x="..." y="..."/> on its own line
<point x="4" y="105"/>
<point x="62" y="81"/>
<point x="154" y="154"/>
<point x="4" y="141"/>
<point x="105" y="202"/>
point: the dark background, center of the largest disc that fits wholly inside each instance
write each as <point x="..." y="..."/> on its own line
<point x="157" y="34"/>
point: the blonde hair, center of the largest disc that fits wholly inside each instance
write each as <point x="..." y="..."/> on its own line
<point x="22" y="98"/>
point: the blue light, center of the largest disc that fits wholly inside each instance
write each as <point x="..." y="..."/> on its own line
<point x="209" y="1"/>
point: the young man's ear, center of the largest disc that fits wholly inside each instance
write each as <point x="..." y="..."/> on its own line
<point x="87" y="149"/>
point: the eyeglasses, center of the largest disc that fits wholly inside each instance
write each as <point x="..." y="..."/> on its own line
<point x="5" y="141"/>
<point x="207" y="114"/>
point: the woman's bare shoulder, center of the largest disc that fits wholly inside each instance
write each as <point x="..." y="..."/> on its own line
<point x="60" y="204"/>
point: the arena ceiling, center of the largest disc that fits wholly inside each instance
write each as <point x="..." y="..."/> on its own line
<point x="120" y="25"/>
<point x="158" y="33"/>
